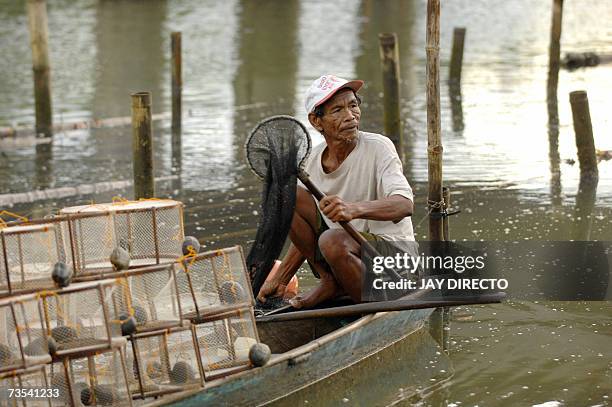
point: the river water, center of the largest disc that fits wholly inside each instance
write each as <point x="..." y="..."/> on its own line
<point x="509" y="172"/>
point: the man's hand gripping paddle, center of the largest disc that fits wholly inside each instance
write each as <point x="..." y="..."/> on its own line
<point x="277" y="150"/>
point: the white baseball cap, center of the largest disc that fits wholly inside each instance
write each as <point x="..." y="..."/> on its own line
<point x="325" y="87"/>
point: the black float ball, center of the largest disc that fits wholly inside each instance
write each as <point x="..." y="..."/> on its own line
<point x="190" y="241"/>
<point x="63" y="334"/>
<point x="61" y="274"/>
<point x="259" y="354"/>
<point x="232" y="292"/>
<point x="6" y="356"/>
<point x="128" y="324"/>
<point x="120" y="259"/>
<point x="52" y="345"/>
<point x="99" y="395"/>
<point x="181" y="373"/>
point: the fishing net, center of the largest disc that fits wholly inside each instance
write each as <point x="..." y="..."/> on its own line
<point x="225" y="340"/>
<point x="212" y="282"/>
<point x="275" y="149"/>
<point x="150" y="230"/>
<point x="23" y="342"/>
<point x="34" y="379"/>
<point x="99" y="379"/>
<point x="164" y="362"/>
<point x="27" y="256"/>
<point x="149" y="294"/>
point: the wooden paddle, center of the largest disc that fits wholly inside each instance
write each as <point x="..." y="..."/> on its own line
<point x="384" y="306"/>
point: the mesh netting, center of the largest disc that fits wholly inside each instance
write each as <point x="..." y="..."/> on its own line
<point x="23" y="341"/>
<point x="211" y="282"/>
<point x="226" y="341"/>
<point x="32" y="378"/>
<point x="77" y="317"/>
<point x="275" y="149"/>
<point x="150" y="230"/>
<point x="163" y="362"/>
<point x="149" y="295"/>
<point x="31" y="252"/>
<point x="96" y="380"/>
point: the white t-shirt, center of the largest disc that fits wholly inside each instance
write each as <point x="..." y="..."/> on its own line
<point x="371" y="171"/>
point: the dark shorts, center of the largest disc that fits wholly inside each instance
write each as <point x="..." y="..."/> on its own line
<point x="322" y="227"/>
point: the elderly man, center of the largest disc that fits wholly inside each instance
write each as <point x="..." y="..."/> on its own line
<point x="362" y="176"/>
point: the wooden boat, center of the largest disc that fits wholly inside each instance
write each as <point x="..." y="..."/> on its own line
<point x="304" y="353"/>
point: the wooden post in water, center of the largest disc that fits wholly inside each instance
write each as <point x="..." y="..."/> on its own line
<point x="142" y="144"/>
<point x="434" y="136"/>
<point x="584" y="134"/>
<point x="456" y="62"/>
<point x="445" y="230"/>
<point x="177" y="82"/>
<point x="389" y="60"/>
<point x="554" y="50"/>
<point x="37" y="19"/>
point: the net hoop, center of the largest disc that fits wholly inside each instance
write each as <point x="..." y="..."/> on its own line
<point x="265" y="122"/>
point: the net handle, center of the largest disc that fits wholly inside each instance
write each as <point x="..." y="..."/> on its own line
<point x="350" y="229"/>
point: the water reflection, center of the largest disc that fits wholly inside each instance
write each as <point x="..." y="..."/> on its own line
<point x="456" y="103"/>
<point x="43" y="166"/>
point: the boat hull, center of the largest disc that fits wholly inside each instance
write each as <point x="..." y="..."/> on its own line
<point x="301" y="367"/>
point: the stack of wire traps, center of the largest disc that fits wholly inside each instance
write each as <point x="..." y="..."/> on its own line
<point x="151" y="231"/>
<point x="28" y="253"/>
<point x="78" y="318"/>
<point x="23" y="342"/>
<point x="95" y="379"/>
<point x="164" y="362"/>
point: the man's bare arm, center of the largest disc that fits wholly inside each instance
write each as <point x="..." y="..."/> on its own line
<point x="393" y="208"/>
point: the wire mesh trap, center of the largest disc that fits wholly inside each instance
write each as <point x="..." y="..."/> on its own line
<point x="28" y="254"/>
<point x="100" y="379"/>
<point x="149" y="295"/>
<point x="25" y="388"/>
<point x="23" y="342"/>
<point x="78" y="318"/>
<point x="164" y="362"/>
<point x="224" y="340"/>
<point x="151" y="231"/>
<point x="212" y="282"/>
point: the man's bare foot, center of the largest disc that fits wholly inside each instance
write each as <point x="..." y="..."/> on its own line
<point x="326" y="290"/>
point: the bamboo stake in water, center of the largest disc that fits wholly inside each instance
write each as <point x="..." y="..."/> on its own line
<point x="554" y="50"/>
<point x="37" y="18"/>
<point x="584" y="134"/>
<point x="389" y="60"/>
<point x="456" y="63"/>
<point x="142" y="144"/>
<point x="434" y="137"/>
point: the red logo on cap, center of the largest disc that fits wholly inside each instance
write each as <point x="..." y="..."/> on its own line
<point x="327" y="82"/>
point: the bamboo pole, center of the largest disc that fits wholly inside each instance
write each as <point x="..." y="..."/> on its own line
<point x="177" y="82"/>
<point x="389" y="60"/>
<point x="37" y="19"/>
<point x="434" y="137"/>
<point x="584" y="135"/>
<point x="554" y="50"/>
<point x="142" y="144"/>
<point x="456" y="62"/>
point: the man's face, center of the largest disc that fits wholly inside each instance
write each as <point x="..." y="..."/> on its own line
<point x="340" y="118"/>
